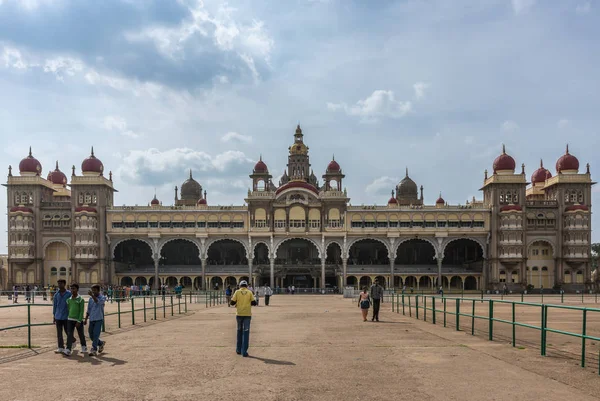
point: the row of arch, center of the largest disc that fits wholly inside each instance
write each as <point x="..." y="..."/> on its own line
<point x="416" y="282"/>
<point x="185" y="281"/>
<point x="391" y="247"/>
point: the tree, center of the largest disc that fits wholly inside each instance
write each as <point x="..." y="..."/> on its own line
<point x="595" y="254"/>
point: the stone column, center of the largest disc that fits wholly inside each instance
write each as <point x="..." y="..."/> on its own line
<point x="391" y="286"/>
<point x="203" y="261"/>
<point x="344" y="272"/>
<point x="323" y="272"/>
<point x="156" y="278"/>
<point x="440" y="258"/>
<point x="272" y="272"/>
<point x="250" y="273"/>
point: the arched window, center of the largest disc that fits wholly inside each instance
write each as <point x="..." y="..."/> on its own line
<point x="573" y="196"/>
<point x="53" y="271"/>
<point x="508" y="197"/>
<point x="544" y="269"/>
<point x="81" y="199"/>
<point x="579" y="277"/>
<point x="502" y="276"/>
<point x="17" y="198"/>
<point x="63" y="271"/>
<point x="580" y="197"/>
<point x="501" y="196"/>
<point x="94" y="198"/>
<point x="515" y="197"/>
<point x="567" y="277"/>
<point x="88" y="198"/>
<point x="535" y="269"/>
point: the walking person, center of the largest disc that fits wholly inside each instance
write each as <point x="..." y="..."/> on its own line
<point x="243" y="300"/>
<point x="259" y="293"/>
<point x="76" y="306"/>
<point x="60" y="313"/>
<point x="95" y="313"/>
<point x="377" y="295"/>
<point x="364" y="303"/>
<point x="228" y="295"/>
<point x="268" y="293"/>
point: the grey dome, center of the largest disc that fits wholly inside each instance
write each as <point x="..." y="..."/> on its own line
<point x="407" y="188"/>
<point x="191" y="189"/>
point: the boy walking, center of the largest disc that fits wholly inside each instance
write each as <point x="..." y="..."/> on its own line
<point x="243" y="300"/>
<point x="95" y="313"/>
<point x="76" y="305"/>
<point x="60" y="313"/>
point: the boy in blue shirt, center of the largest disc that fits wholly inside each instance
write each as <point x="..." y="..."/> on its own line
<point x="95" y="313"/>
<point x="60" y="313"/>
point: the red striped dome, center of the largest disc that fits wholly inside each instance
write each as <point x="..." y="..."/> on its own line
<point x="30" y="165"/>
<point x="57" y="177"/>
<point x="504" y="162"/>
<point x="541" y="174"/>
<point x="567" y="162"/>
<point x="92" y="164"/>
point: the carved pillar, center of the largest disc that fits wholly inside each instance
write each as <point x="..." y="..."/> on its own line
<point x="323" y="272"/>
<point x="440" y="258"/>
<point x="485" y="275"/>
<point x="250" y="275"/>
<point x="203" y="261"/>
<point x="344" y="272"/>
<point x="391" y="285"/>
<point x="156" y="279"/>
<point x="272" y="273"/>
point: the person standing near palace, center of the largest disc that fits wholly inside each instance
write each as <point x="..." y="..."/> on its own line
<point x="377" y="297"/>
<point x="268" y="293"/>
<point x="60" y="313"/>
<point x="243" y="300"/>
<point x="95" y="313"/>
<point x="228" y="294"/>
<point x="76" y="306"/>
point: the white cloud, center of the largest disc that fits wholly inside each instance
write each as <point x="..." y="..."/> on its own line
<point x="420" y="88"/>
<point x="153" y="166"/>
<point x="61" y="66"/>
<point x="118" y="124"/>
<point x="31" y="5"/>
<point x="522" y="6"/>
<point x="381" y="186"/>
<point x="562" y="123"/>
<point x="510" y="126"/>
<point x="14" y="59"/>
<point x="583" y="8"/>
<point x="381" y="103"/>
<point x="235" y="137"/>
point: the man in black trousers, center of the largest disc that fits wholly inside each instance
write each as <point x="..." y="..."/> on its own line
<point x="377" y="297"/>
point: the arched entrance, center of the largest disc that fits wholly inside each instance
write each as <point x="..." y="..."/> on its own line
<point x="171" y="282"/>
<point x="410" y="282"/>
<point x="227" y="252"/>
<point x="333" y="259"/>
<point x="382" y="281"/>
<point x="133" y="256"/>
<point x="151" y="282"/>
<point x="351" y="281"/>
<point x="470" y="283"/>
<point x="216" y="283"/>
<point x="540" y="260"/>
<point x="261" y="255"/>
<point x="140" y="281"/>
<point x="57" y="259"/>
<point x="415" y="256"/>
<point x="368" y="252"/>
<point x="455" y="283"/>
<point x="299" y="263"/>
<point x="425" y="283"/>
<point x="126" y="281"/>
<point x="230" y="282"/>
<point x="462" y="255"/>
<point x="186" y="282"/>
<point x="198" y="283"/>
<point x="365" y="281"/>
<point x="179" y="252"/>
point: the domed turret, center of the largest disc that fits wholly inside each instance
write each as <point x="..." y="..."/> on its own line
<point x="57" y="177"/>
<point x="30" y="165"/>
<point x="392" y="201"/>
<point x="567" y="163"/>
<point x="191" y="189"/>
<point x="504" y="163"/>
<point x="541" y="174"/>
<point x="407" y="188"/>
<point x="260" y="167"/>
<point x="333" y="166"/>
<point x="440" y="200"/>
<point x="154" y="201"/>
<point x="92" y="165"/>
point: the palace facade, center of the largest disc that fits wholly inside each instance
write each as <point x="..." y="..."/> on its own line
<point x="303" y="231"/>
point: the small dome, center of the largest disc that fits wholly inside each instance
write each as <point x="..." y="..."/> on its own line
<point x="260" y="167"/>
<point x="154" y="201"/>
<point x="504" y="162"/>
<point x="57" y="177"/>
<point x="92" y="165"/>
<point x="440" y="200"/>
<point x="333" y="166"/>
<point x="191" y="189"/>
<point x="567" y="163"/>
<point x="202" y="202"/>
<point x="541" y="174"/>
<point x="30" y="165"/>
<point x="392" y="200"/>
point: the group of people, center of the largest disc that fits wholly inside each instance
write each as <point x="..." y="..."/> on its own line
<point x="365" y="300"/>
<point x="68" y="309"/>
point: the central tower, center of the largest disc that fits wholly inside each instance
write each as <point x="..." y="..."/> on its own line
<point x="298" y="161"/>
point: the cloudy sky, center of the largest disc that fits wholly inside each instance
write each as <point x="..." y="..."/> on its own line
<point x="159" y="87"/>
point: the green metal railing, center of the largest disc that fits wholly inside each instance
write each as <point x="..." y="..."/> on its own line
<point x="142" y="304"/>
<point x="411" y="301"/>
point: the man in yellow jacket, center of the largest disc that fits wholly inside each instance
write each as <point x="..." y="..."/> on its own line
<point x="243" y="300"/>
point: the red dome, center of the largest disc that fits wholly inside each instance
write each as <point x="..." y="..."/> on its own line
<point x="155" y="201"/>
<point x="541" y="174"/>
<point x="260" y="167"/>
<point x="333" y="166"/>
<point x="57" y="177"/>
<point x="85" y="209"/>
<point x="30" y="165"/>
<point x="567" y="162"/>
<point x="92" y="164"/>
<point x="202" y="202"/>
<point x="392" y="201"/>
<point x="504" y="162"/>
<point x="21" y="209"/>
<point x="440" y="200"/>
<point x="297" y="184"/>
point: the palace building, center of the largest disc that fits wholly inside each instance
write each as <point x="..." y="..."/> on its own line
<point x="303" y="231"/>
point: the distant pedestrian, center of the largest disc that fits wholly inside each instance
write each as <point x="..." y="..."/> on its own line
<point x="268" y="293"/>
<point x="15" y="294"/>
<point x="293" y="289"/>
<point x="60" y="313"/>
<point x="243" y="300"/>
<point x="377" y="295"/>
<point x="95" y="313"/>
<point x="228" y="295"/>
<point x="76" y="306"/>
<point x="364" y="303"/>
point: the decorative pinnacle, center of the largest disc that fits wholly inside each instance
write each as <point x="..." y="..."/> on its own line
<point x="503" y="149"/>
<point x="333" y="157"/>
<point x="92" y="152"/>
<point x="30" y="155"/>
<point x="541" y="163"/>
<point x="567" y="148"/>
<point x="260" y="158"/>
<point x="190" y="174"/>
<point x="57" y="164"/>
<point x="440" y="194"/>
<point x="407" y="171"/>
<point x="392" y="193"/>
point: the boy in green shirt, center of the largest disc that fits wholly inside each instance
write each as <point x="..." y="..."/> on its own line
<point x="76" y="307"/>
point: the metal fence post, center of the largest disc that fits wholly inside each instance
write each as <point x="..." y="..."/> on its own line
<point x="185" y="302"/>
<point x="103" y="324"/>
<point x="424" y="308"/>
<point x="444" y="300"/>
<point x="583" y="335"/>
<point x="403" y="305"/>
<point x="473" y="319"/>
<point x="433" y="307"/>
<point x="154" y="303"/>
<point x="28" y="326"/>
<point x="543" y="331"/>
<point x="144" y="309"/>
<point x="457" y="314"/>
<point x="417" y="306"/>
<point x="514" y="331"/>
<point x="132" y="313"/>
<point x="491" y="320"/>
<point x="172" y="305"/>
<point x="409" y="307"/>
<point x="179" y="304"/>
<point x="119" y="313"/>
<point x="164" y="308"/>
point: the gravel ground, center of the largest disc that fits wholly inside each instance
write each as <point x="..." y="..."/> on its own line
<point x="302" y="348"/>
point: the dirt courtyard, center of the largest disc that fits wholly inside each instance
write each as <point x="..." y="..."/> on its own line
<point x="301" y="348"/>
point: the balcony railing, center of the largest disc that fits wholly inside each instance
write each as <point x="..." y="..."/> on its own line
<point x="541" y="203"/>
